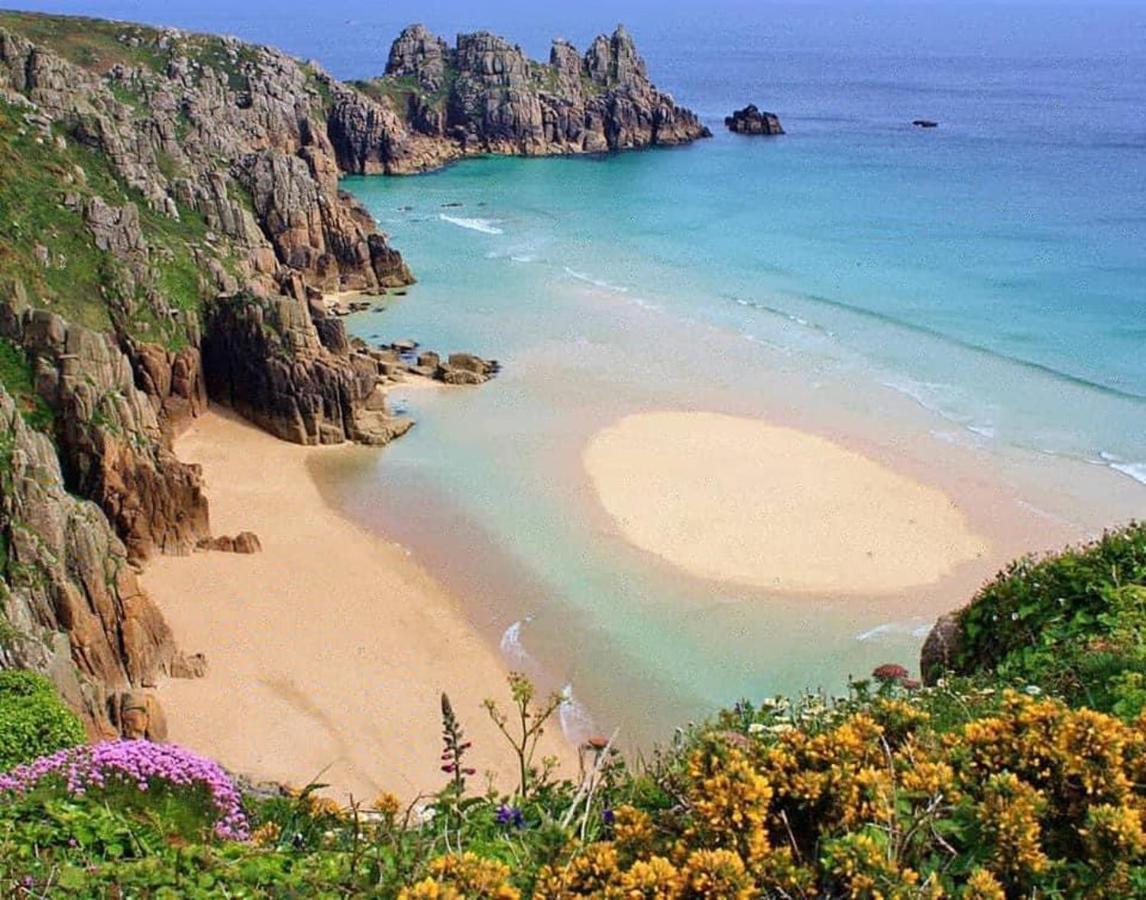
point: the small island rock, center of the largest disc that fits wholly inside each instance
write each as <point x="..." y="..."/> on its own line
<point x="751" y="120"/>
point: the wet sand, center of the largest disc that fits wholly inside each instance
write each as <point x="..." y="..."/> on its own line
<point x="328" y="651"/>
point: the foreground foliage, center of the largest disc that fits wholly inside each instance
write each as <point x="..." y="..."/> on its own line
<point x="970" y="788"/>
<point x="884" y="794"/>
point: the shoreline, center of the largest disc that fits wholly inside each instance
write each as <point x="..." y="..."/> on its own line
<point x="643" y="644"/>
<point x="328" y="650"/>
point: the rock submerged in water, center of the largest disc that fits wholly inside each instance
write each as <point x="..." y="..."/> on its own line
<point x="751" y="120"/>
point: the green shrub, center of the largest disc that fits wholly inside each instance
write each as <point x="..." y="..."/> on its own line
<point x="33" y="720"/>
<point x="1073" y="623"/>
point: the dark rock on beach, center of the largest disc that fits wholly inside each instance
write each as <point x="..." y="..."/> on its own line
<point x="941" y="648"/>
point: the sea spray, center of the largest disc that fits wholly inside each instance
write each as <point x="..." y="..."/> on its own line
<point x="511" y="646"/>
<point x="894" y="629"/>
<point x="596" y="282"/>
<point x="576" y="723"/>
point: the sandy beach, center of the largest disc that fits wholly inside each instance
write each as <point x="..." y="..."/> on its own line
<point x="740" y="500"/>
<point x="328" y="650"/>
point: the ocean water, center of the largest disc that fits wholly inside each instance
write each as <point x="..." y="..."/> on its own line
<point x="968" y="302"/>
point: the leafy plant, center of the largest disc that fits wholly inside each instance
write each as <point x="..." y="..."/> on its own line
<point x="1073" y="623"/>
<point x="33" y="720"/>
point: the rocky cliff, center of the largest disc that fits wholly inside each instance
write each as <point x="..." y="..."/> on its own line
<point x="483" y="95"/>
<point x="70" y="605"/>
<point x="147" y="179"/>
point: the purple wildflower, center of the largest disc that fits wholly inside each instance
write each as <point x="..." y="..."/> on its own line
<point x="141" y="763"/>
<point x="510" y="815"/>
<point x="607" y="816"/>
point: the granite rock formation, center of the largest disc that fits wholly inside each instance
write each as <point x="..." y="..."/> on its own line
<point x="143" y="174"/>
<point x="483" y="95"/>
<point x="70" y="604"/>
<point x="111" y="447"/>
<point x="751" y="120"/>
<point x="941" y="648"/>
<point x="266" y="358"/>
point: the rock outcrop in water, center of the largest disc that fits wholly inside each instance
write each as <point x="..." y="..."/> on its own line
<point x="751" y="120"/>
<point x="483" y="95"/>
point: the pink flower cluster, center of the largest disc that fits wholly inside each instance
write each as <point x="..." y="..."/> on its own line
<point x="140" y="763"/>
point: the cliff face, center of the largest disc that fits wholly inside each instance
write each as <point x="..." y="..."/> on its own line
<point x="268" y="359"/>
<point x="484" y="96"/>
<point x="70" y="605"/>
<point x="110" y="444"/>
<point x="147" y="178"/>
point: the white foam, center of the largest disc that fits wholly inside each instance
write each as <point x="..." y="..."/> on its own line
<point x="596" y="282"/>
<point x="987" y="431"/>
<point x="576" y="723"/>
<point x="894" y="629"/>
<point x="485" y="226"/>
<point x="1137" y="471"/>
<point x="525" y="258"/>
<point x="511" y="646"/>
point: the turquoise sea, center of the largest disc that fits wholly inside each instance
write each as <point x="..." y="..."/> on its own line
<point x="968" y="303"/>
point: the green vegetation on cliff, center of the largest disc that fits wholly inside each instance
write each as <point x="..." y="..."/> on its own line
<point x="1073" y="623"/>
<point x="16" y="376"/>
<point x="47" y="248"/>
<point x="48" y="182"/>
<point x="33" y="720"/>
<point x="965" y="789"/>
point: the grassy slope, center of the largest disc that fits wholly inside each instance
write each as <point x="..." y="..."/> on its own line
<point x="45" y="177"/>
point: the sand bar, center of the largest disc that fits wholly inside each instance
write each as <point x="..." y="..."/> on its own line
<point x="743" y="501"/>
<point x="326" y="651"/>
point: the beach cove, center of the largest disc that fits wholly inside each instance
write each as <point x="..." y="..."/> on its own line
<point x="489" y="491"/>
<point x="328" y="650"/>
<point x="956" y="307"/>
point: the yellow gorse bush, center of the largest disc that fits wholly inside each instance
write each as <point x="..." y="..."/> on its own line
<point x="467" y="876"/>
<point x="876" y="804"/>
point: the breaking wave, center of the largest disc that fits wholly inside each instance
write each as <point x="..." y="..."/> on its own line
<point x="485" y="226"/>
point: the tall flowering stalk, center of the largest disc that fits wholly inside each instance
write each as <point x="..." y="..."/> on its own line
<point x="527" y="726"/>
<point x="454" y="747"/>
<point x="140" y="763"/>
